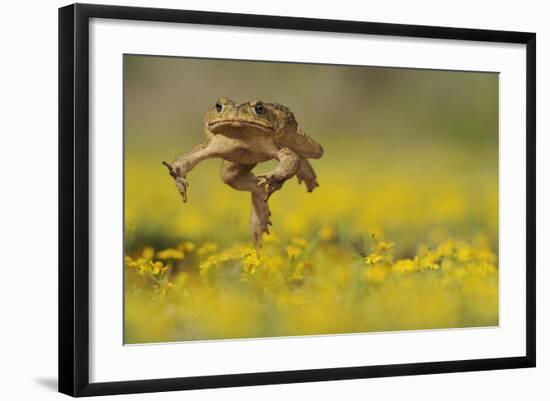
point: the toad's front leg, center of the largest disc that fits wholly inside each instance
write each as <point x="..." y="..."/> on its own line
<point x="184" y="163"/>
<point x="289" y="163"/>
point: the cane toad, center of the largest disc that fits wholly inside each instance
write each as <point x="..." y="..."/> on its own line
<point x="243" y="135"/>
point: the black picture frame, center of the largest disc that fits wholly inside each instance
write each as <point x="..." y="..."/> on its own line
<point x="74" y="198"/>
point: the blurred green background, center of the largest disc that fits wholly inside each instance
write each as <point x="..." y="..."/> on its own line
<point x="166" y="96"/>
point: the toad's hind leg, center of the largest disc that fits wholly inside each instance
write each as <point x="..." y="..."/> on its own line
<point x="240" y="177"/>
<point x="306" y="174"/>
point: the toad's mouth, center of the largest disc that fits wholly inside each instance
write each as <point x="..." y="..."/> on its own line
<point x="217" y="125"/>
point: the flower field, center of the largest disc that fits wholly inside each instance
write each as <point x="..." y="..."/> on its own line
<point x="376" y="247"/>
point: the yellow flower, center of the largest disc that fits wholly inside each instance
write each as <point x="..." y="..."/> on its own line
<point x="299" y="270"/>
<point x="157" y="268"/>
<point x="293" y="251"/>
<point x="298" y="274"/>
<point x="170" y="253"/>
<point x="250" y="261"/>
<point x="212" y="260"/>
<point x="233" y="253"/>
<point x="486" y="255"/>
<point x="139" y="264"/>
<point x="404" y="266"/>
<point x="207" y="247"/>
<point x="383" y="246"/>
<point x="464" y="253"/>
<point x="186" y="246"/>
<point x="373" y="258"/>
<point x="446" y="248"/>
<point x="142" y="270"/>
<point x="429" y="261"/>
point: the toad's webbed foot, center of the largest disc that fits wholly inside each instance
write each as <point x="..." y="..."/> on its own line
<point x="311" y="184"/>
<point x="270" y="183"/>
<point x="181" y="182"/>
<point x="182" y="185"/>
<point x="306" y="174"/>
<point x="259" y="218"/>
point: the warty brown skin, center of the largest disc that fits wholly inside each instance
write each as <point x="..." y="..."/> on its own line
<point x="246" y="134"/>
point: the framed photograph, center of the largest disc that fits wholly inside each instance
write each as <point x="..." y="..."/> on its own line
<point x="251" y="199"/>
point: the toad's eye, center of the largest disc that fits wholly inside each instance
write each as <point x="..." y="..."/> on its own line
<point x="219" y="107"/>
<point x="259" y="108"/>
